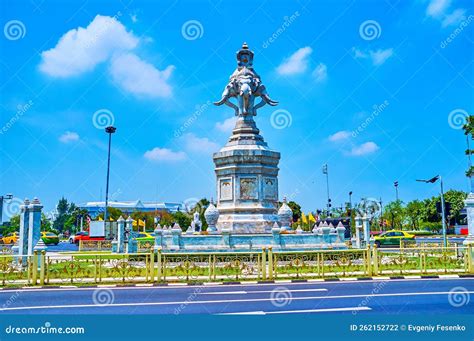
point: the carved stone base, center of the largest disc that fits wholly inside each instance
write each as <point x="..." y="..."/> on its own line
<point x="247" y="181"/>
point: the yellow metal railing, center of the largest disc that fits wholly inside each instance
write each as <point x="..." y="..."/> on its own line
<point x="266" y="264"/>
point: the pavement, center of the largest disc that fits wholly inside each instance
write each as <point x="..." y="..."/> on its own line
<point x="393" y="296"/>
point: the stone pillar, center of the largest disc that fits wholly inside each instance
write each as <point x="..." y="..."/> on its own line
<point x="285" y="216"/>
<point x="358" y="231"/>
<point x="340" y="230"/>
<point x="119" y="242"/>
<point x="326" y="238"/>
<point x="158" y="238"/>
<point x="131" y="243"/>
<point x="176" y="233"/>
<point x="469" y="202"/>
<point x="21" y="246"/>
<point x="34" y="231"/>
<point x="366" y="229"/>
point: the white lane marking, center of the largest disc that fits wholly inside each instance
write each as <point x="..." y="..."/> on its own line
<point x="448" y="276"/>
<point x="349" y="279"/>
<point x="304" y="311"/>
<point x="223" y="293"/>
<point x="309" y="282"/>
<point x="258" y="291"/>
<point x="227" y="301"/>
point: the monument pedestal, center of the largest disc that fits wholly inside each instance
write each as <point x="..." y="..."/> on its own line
<point x="247" y="181"/>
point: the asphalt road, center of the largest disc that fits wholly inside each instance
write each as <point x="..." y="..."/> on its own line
<point x="421" y="296"/>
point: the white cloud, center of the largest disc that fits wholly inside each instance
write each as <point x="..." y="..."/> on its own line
<point x="199" y="144"/>
<point x="454" y="18"/>
<point x="69" y="136"/>
<point x="296" y="63"/>
<point x="139" y="77"/>
<point x="364" y="149"/>
<point x="377" y="57"/>
<point x="227" y="125"/>
<point x="106" y="40"/>
<point x="81" y="49"/>
<point x="437" y="8"/>
<point x="164" y="154"/>
<point x="380" y="56"/>
<point x="339" y="136"/>
<point x="320" y="73"/>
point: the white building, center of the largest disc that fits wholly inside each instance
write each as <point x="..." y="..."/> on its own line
<point x="94" y="208"/>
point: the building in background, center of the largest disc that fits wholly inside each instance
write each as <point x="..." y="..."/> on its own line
<point x="94" y="208"/>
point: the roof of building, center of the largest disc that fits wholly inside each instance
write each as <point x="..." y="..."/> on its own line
<point x="137" y="204"/>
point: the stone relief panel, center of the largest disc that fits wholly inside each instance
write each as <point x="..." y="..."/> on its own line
<point x="225" y="189"/>
<point x="270" y="189"/>
<point x="248" y="188"/>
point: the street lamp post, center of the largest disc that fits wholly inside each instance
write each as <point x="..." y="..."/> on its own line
<point x="350" y="209"/>
<point x="109" y="130"/>
<point x="325" y="171"/>
<point x="3" y="197"/>
<point x="396" y="189"/>
<point x="443" y="209"/>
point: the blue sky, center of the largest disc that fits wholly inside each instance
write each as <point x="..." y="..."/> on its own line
<point x="373" y="88"/>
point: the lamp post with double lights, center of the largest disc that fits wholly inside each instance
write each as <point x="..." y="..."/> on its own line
<point x="443" y="209"/>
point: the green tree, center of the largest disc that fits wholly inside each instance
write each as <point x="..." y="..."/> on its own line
<point x="63" y="214"/>
<point x="456" y="200"/>
<point x="296" y="209"/>
<point x="413" y="212"/>
<point x="394" y="214"/>
<point x="183" y="219"/>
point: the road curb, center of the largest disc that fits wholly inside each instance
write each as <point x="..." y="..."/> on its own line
<point x="261" y="282"/>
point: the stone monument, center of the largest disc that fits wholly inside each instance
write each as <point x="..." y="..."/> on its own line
<point x="246" y="168"/>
